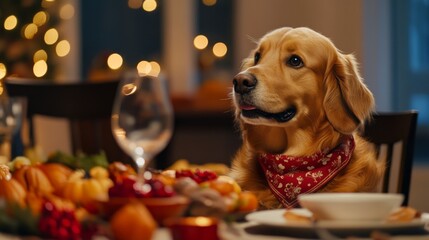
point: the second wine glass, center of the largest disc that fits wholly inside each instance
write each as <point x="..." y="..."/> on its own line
<point x="142" y="118"/>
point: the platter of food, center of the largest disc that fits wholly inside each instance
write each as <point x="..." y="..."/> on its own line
<point x="61" y="199"/>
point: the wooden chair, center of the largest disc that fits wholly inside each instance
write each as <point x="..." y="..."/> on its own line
<point x="391" y="132"/>
<point x="87" y="106"/>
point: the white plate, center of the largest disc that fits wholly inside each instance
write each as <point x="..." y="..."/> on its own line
<point x="275" y="218"/>
<point x="356" y="206"/>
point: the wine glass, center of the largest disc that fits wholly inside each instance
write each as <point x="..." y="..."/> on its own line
<point x="12" y="113"/>
<point x="142" y="119"/>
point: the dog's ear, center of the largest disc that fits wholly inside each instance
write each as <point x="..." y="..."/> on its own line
<point x="347" y="102"/>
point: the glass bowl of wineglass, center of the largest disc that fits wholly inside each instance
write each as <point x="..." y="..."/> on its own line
<point x="142" y="119"/>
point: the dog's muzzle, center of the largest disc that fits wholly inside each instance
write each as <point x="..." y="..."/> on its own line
<point x="244" y="83"/>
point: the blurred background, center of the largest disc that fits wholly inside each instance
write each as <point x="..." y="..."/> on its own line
<point x="198" y="46"/>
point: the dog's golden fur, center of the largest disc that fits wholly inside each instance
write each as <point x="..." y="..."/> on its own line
<point x="330" y="99"/>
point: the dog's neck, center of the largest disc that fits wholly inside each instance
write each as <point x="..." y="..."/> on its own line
<point x="290" y="141"/>
<point x="289" y="176"/>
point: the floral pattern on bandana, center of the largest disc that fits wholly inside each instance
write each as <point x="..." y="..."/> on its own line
<point x="289" y="176"/>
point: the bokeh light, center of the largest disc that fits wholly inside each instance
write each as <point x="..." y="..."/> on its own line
<point x="209" y="2"/>
<point x="201" y="42"/>
<point x="144" y="68"/>
<point x="67" y="11"/>
<point x="51" y="36"/>
<point x="149" y="5"/>
<point x="30" y="30"/>
<point x="135" y="4"/>
<point x="47" y="3"/>
<point x="220" y="49"/>
<point x="3" y="70"/>
<point x="10" y="22"/>
<point x="156" y="69"/>
<point x="62" y="48"/>
<point x="40" y="68"/>
<point x="40" y="55"/>
<point x="114" y="61"/>
<point x="148" y="68"/>
<point x="40" y="18"/>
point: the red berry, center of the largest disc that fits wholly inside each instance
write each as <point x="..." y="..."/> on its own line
<point x="198" y="176"/>
<point x="125" y="188"/>
<point x="58" y="224"/>
<point x="152" y="188"/>
<point x="156" y="188"/>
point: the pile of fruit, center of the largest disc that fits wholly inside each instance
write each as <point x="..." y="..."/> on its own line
<point x="59" y="201"/>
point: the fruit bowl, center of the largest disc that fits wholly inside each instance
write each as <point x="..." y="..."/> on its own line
<point x="160" y="208"/>
<point x="351" y="206"/>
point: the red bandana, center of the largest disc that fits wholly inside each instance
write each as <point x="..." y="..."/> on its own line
<point x="290" y="176"/>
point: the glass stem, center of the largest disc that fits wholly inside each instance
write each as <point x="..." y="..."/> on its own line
<point x="141" y="168"/>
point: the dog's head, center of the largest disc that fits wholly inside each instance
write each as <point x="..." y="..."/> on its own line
<point x="295" y="76"/>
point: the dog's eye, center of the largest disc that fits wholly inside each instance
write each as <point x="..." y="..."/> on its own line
<point x="295" y="61"/>
<point x="257" y="57"/>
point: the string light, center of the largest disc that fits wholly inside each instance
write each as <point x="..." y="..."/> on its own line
<point x="3" y="70"/>
<point x="144" y="68"/>
<point x="40" y="55"/>
<point x="40" y="18"/>
<point x="220" y="49"/>
<point x="135" y="4"/>
<point x="47" y="3"/>
<point x="41" y="30"/>
<point x="114" y="61"/>
<point x="67" y="11"/>
<point x="30" y="30"/>
<point x="40" y="68"/>
<point x="51" y="36"/>
<point x="201" y="42"/>
<point x="156" y="69"/>
<point x="209" y="2"/>
<point x="62" y="48"/>
<point x="149" y="5"/>
<point x="10" y="22"/>
<point x="148" y="68"/>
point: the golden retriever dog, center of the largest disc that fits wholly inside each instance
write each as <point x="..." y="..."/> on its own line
<point x="299" y="103"/>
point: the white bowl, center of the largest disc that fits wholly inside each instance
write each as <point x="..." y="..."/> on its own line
<point x="351" y="206"/>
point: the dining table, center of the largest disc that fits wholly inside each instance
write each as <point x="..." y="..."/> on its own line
<point x="252" y="231"/>
<point x="270" y="225"/>
<point x="249" y="230"/>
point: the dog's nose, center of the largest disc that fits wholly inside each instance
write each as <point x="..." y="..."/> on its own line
<point x="244" y="83"/>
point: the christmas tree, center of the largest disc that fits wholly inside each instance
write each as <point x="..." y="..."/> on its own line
<point x="29" y="39"/>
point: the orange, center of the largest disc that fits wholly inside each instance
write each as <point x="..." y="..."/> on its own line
<point x="223" y="178"/>
<point x="247" y="201"/>
<point x="223" y="187"/>
<point x="231" y="200"/>
<point x="133" y="222"/>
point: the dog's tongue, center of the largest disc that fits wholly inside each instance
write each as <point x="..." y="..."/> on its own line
<point x="247" y="107"/>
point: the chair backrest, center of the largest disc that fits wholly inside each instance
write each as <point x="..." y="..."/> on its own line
<point x="87" y="106"/>
<point x="391" y="132"/>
